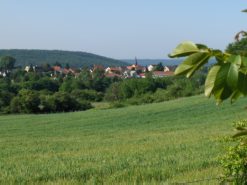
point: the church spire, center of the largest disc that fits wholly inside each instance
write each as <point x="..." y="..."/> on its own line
<point x="136" y="61"/>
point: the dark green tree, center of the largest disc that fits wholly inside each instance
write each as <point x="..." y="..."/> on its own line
<point x="238" y="47"/>
<point x="7" y="63"/>
<point x="159" y="67"/>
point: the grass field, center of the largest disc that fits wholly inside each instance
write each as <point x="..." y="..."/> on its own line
<point x="164" y="143"/>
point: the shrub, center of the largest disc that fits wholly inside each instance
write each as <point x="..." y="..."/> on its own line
<point x="234" y="161"/>
<point x="90" y="95"/>
<point x="64" y="102"/>
<point x="27" y="101"/>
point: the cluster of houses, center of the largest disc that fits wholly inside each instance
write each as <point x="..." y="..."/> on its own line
<point x="132" y="71"/>
<point x="137" y="71"/>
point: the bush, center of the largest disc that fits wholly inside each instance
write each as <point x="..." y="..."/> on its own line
<point x="63" y="102"/>
<point x="90" y="95"/>
<point x="234" y="161"/>
<point x="114" y="93"/>
<point x="27" y="101"/>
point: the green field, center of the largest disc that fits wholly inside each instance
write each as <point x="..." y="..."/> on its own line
<point x="164" y="143"/>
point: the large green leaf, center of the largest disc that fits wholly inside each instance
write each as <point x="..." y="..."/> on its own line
<point x="235" y="59"/>
<point x="184" y="49"/>
<point x="227" y="75"/>
<point x="226" y="81"/>
<point x="244" y="61"/>
<point x="242" y="83"/>
<point x="210" y="80"/>
<point x="192" y="63"/>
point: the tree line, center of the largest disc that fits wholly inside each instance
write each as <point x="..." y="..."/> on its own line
<point x="39" y="92"/>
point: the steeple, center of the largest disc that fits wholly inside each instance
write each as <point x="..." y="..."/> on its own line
<point x="136" y="61"/>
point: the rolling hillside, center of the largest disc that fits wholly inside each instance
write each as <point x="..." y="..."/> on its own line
<point x="170" y="142"/>
<point x="74" y="59"/>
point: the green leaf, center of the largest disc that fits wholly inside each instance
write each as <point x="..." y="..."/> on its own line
<point x="220" y="56"/>
<point x="244" y="61"/>
<point x="184" y="49"/>
<point x="210" y="80"/>
<point x="201" y="46"/>
<point x="242" y="83"/>
<point x="226" y="81"/>
<point x="235" y="59"/>
<point x="192" y="63"/>
<point x="227" y="76"/>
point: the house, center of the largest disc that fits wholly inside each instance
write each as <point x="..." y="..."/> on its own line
<point x="142" y="75"/>
<point x="136" y="67"/>
<point x="98" y="67"/>
<point x="166" y="68"/>
<point x="3" y="74"/>
<point x="130" y="74"/>
<point x="151" y="67"/>
<point x="57" y="69"/>
<point x="29" y="68"/>
<point x="114" y="70"/>
<point x="113" y="75"/>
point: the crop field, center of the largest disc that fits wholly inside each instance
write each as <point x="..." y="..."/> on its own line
<point x="162" y="143"/>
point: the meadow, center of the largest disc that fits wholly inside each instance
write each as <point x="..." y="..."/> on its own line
<point x="161" y="143"/>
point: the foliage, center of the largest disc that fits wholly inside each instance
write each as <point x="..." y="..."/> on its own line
<point x="142" y="91"/>
<point x="238" y="47"/>
<point x="27" y="101"/>
<point x="234" y="161"/>
<point x="7" y="63"/>
<point x="159" y="67"/>
<point x="87" y="94"/>
<point x="226" y="79"/>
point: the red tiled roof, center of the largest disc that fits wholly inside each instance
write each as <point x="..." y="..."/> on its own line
<point x="115" y="69"/>
<point x="56" y="68"/>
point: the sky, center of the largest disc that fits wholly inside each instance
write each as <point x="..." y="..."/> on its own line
<point x="120" y="29"/>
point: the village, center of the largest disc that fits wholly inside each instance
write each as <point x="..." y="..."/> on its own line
<point x="123" y="72"/>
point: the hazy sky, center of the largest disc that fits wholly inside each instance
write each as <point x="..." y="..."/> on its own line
<point x="119" y="28"/>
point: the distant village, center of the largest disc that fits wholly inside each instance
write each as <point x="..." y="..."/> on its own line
<point x="131" y="71"/>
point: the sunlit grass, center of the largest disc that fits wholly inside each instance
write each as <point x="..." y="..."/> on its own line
<point x="167" y="142"/>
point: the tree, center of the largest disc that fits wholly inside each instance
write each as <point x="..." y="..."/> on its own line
<point x="159" y="67"/>
<point x="27" y="101"/>
<point x="238" y="47"/>
<point x="7" y="63"/>
<point x="67" y="66"/>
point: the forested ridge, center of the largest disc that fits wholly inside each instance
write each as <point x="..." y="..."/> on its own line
<point x="73" y="58"/>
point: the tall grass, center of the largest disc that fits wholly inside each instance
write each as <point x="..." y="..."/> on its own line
<point x="167" y="142"/>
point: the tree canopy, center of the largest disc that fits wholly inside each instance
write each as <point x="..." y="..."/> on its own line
<point x="7" y="63"/>
<point x="238" y="47"/>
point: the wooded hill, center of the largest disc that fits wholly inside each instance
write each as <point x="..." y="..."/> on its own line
<point x="74" y="59"/>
